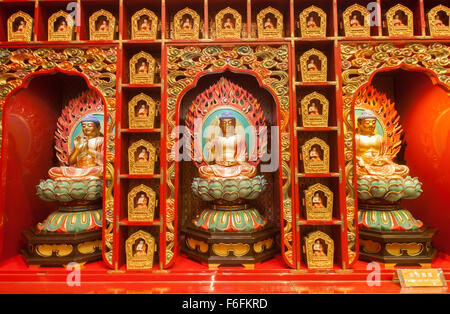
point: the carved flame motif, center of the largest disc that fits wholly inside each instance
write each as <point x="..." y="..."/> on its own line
<point x="384" y="109"/>
<point x="88" y="102"/>
<point x="225" y="94"/>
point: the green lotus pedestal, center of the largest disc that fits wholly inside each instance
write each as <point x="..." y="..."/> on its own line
<point x="73" y="232"/>
<point x="388" y="233"/>
<point x="229" y="232"/>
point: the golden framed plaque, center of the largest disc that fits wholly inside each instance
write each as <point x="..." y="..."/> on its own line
<point x="142" y="157"/>
<point x="228" y="24"/>
<point x="186" y="23"/>
<point x="356" y="20"/>
<point x="313" y="22"/>
<point x="439" y="21"/>
<point x="319" y="202"/>
<point x="141" y="203"/>
<point x="319" y="249"/>
<point x="140" y="248"/>
<point x="399" y="21"/>
<point x="314" y="109"/>
<point x="60" y="26"/>
<point x="144" y="25"/>
<point x="316" y="156"/>
<point x="313" y="66"/>
<point x="142" y="68"/>
<point x="102" y="25"/>
<point x="142" y="110"/>
<point x="269" y="23"/>
<point x="20" y="27"/>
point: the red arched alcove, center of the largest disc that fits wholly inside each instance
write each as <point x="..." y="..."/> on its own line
<point x="29" y="123"/>
<point x="424" y="109"/>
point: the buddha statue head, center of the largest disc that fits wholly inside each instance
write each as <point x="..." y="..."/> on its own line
<point x="367" y="122"/>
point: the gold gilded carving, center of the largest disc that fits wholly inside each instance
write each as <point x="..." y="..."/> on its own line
<point x="142" y="157"/>
<point x="356" y="21"/>
<point x="313" y="22"/>
<point x="144" y="25"/>
<point x="20" y="27"/>
<point x="399" y="21"/>
<point x="140" y="248"/>
<point x="102" y="25"/>
<point x="370" y="246"/>
<point x="314" y="110"/>
<point x="270" y="23"/>
<point x="142" y="111"/>
<point x="397" y="249"/>
<point x="319" y="202"/>
<point x="60" y="26"/>
<point x="313" y="65"/>
<point x="141" y="203"/>
<point x="224" y="249"/>
<point x="47" y="250"/>
<point x="439" y="21"/>
<point x="194" y="244"/>
<point x="187" y="24"/>
<point x="89" y="247"/>
<point x="228" y="24"/>
<point x="260" y="246"/>
<point x="316" y="156"/>
<point x="319" y="250"/>
<point x="142" y="68"/>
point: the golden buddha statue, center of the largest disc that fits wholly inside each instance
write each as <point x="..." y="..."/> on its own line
<point x="370" y="156"/>
<point x="86" y="159"/>
<point x="228" y="151"/>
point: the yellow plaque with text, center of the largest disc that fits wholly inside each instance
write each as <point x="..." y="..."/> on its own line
<point x="430" y="277"/>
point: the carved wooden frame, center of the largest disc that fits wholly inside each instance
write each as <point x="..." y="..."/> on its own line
<point x="136" y="33"/>
<point x="20" y="36"/>
<point x="149" y="213"/>
<point x="320" y="31"/>
<point x="406" y="30"/>
<point x="142" y="168"/>
<point x="181" y="33"/>
<point x="358" y="31"/>
<point x="277" y="31"/>
<point x="316" y="166"/>
<point x="313" y="76"/>
<point x="314" y="120"/>
<point x="313" y="213"/>
<point x="66" y="35"/>
<point x="222" y="33"/>
<point x="140" y="262"/>
<point x="94" y="34"/>
<point x="319" y="262"/>
<point x="142" y="122"/>
<point x="149" y="77"/>
<point x="438" y="30"/>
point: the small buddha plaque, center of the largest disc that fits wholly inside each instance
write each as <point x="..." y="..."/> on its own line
<point x="314" y="110"/>
<point x="142" y="110"/>
<point x="313" y="66"/>
<point x="313" y="22"/>
<point x="60" y="26"/>
<point x="356" y="21"/>
<point x="316" y="156"/>
<point x="20" y="27"/>
<point x="270" y="23"/>
<point x="400" y="21"/>
<point x="140" y="249"/>
<point x="102" y="25"/>
<point x="186" y="24"/>
<point x="439" y="21"/>
<point x="319" y="202"/>
<point x="144" y="25"/>
<point x="228" y="24"/>
<point x="142" y="68"/>
<point x="141" y="203"/>
<point x="142" y="157"/>
<point x="319" y="249"/>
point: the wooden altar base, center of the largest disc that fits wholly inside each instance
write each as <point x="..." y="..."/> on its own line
<point x="229" y="248"/>
<point x="398" y="248"/>
<point x="65" y="248"/>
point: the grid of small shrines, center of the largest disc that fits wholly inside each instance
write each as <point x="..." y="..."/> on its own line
<point x="313" y="29"/>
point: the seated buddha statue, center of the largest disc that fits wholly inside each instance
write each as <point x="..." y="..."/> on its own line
<point x="370" y="156"/>
<point x="227" y="153"/>
<point x="438" y="22"/>
<point x="86" y="160"/>
<point x="318" y="249"/>
<point x="62" y="27"/>
<point x="141" y="248"/>
<point x="397" y="21"/>
<point x="354" y="22"/>
<point x="311" y="23"/>
<point x="142" y="202"/>
<point x="268" y="24"/>
<point x="317" y="201"/>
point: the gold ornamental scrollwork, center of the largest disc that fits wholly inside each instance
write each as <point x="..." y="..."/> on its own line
<point x="270" y="64"/>
<point x="359" y="62"/>
<point x="93" y="63"/>
<point x="236" y="249"/>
